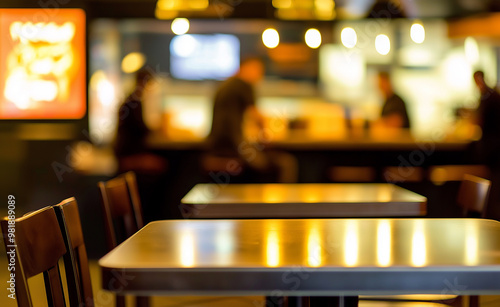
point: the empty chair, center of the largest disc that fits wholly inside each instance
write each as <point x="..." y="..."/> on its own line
<point x="473" y="196"/>
<point x="121" y="207"/>
<point x="37" y="247"/>
<point x="75" y="261"/>
<point x="122" y="211"/>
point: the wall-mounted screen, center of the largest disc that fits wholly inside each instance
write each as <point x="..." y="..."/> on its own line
<point x="204" y="56"/>
<point x="42" y="64"/>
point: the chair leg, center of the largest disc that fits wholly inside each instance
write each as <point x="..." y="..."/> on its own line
<point x="119" y="301"/>
<point x="473" y="301"/>
<point x="142" y="301"/>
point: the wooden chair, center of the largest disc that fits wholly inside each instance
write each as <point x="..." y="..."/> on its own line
<point x="472" y="197"/>
<point x="122" y="211"/>
<point x="37" y="246"/>
<point x="75" y="261"/>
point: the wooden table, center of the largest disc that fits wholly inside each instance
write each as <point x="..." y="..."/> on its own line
<point x="307" y="257"/>
<point x="301" y="201"/>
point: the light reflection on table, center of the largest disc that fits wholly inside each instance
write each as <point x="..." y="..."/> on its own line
<point x="339" y="256"/>
<point x="301" y="201"/>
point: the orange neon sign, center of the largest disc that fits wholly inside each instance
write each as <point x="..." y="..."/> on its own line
<point x="42" y="64"/>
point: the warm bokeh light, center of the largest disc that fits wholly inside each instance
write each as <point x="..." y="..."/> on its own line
<point x="182" y="5"/>
<point x="271" y="38"/>
<point x="104" y="89"/>
<point x="324" y="9"/>
<point x="457" y="71"/>
<point x="417" y="33"/>
<point x="43" y="64"/>
<point x="132" y="62"/>
<point x="383" y="44"/>
<point x="349" y="37"/>
<point x="180" y="26"/>
<point x="313" y="38"/>
<point x="282" y="4"/>
<point x="471" y="50"/>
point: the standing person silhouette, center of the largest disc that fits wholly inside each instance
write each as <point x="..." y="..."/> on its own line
<point x="487" y="150"/>
<point x="132" y="153"/>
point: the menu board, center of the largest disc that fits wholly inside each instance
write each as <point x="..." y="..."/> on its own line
<point x="42" y="64"/>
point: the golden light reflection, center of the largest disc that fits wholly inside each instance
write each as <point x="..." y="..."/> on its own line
<point x="274" y="193"/>
<point x="272" y="249"/>
<point x="314" y="251"/>
<point x="384" y="243"/>
<point x="311" y="194"/>
<point x="471" y="244"/>
<point x="384" y="194"/>
<point x="132" y="62"/>
<point x="351" y="243"/>
<point x="418" y="245"/>
<point x="187" y="249"/>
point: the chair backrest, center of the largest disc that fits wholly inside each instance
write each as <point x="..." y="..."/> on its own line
<point x="473" y="195"/>
<point x="121" y="208"/>
<point x="36" y="247"/>
<point x="75" y="261"/>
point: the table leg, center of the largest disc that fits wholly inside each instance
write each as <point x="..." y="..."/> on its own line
<point x="339" y="301"/>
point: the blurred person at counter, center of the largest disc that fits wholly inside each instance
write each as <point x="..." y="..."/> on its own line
<point x="234" y="104"/>
<point x="130" y="148"/>
<point x="488" y="119"/>
<point x="487" y="148"/>
<point x="394" y="113"/>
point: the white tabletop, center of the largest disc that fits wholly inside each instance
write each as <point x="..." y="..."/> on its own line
<point x="334" y="257"/>
<point x="301" y="201"/>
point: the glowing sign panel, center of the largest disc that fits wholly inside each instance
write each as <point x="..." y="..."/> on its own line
<point x="42" y="64"/>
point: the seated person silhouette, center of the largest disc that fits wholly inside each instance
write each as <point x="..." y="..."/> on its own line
<point x="394" y="113"/>
<point x="234" y="103"/>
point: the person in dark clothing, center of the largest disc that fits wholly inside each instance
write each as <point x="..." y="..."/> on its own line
<point x="487" y="149"/>
<point x="234" y="102"/>
<point x="233" y="99"/>
<point x="132" y="154"/>
<point x="394" y="113"/>
<point x="488" y="118"/>
<point x="129" y="146"/>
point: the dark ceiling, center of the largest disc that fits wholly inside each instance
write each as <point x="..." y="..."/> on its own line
<point x="264" y="8"/>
